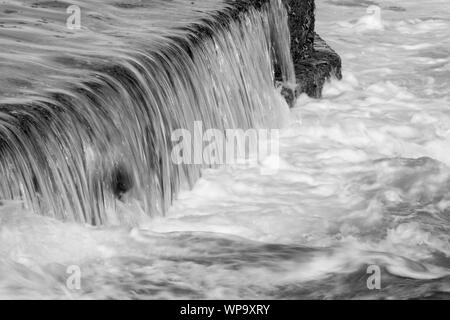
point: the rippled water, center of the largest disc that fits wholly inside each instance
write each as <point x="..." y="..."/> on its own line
<point x="364" y="181"/>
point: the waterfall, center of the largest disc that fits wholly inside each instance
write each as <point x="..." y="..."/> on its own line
<point x="72" y="150"/>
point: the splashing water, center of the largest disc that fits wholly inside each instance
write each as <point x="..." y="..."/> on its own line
<point x="364" y="180"/>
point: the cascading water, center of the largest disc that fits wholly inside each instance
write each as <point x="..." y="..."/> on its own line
<point x="70" y="151"/>
<point x="363" y="178"/>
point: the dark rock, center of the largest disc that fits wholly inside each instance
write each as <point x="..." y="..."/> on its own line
<point x="289" y="92"/>
<point x="314" y="61"/>
<point x="312" y="71"/>
<point x="301" y="24"/>
<point x="121" y="181"/>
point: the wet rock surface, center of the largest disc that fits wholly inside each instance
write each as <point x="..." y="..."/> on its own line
<point x="314" y="61"/>
<point x="314" y="70"/>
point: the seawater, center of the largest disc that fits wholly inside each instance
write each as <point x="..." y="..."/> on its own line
<point x="364" y="181"/>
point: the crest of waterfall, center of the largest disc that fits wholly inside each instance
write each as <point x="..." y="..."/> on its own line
<point x="67" y="148"/>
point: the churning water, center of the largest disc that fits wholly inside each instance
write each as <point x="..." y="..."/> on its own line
<point x="364" y="180"/>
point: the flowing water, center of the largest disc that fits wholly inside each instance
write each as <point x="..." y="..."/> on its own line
<point x="86" y="115"/>
<point x="363" y="181"/>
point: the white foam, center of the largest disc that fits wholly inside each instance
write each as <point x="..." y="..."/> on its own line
<point x="370" y="22"/>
